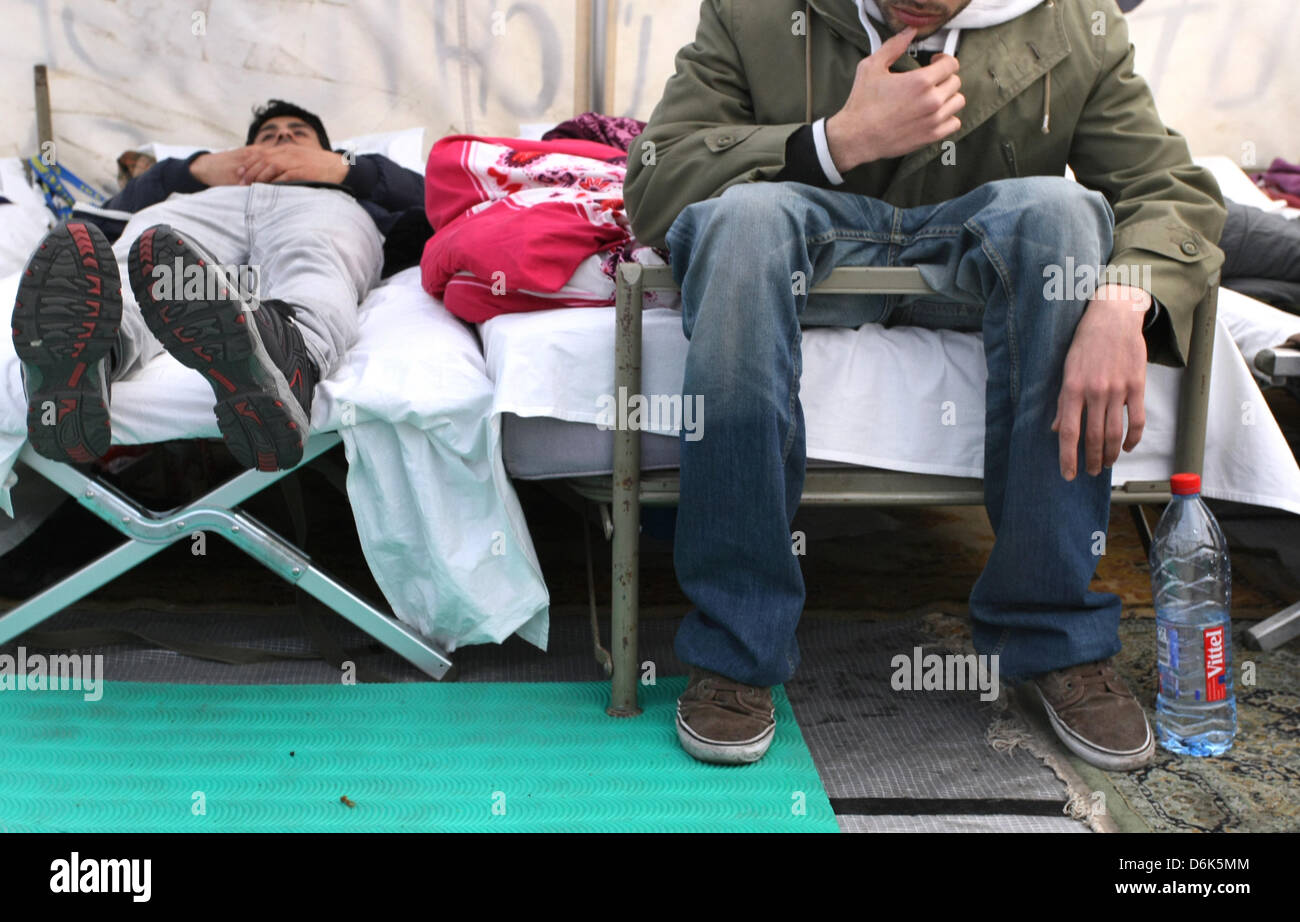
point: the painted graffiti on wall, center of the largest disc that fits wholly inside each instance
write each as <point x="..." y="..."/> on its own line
<point x="126" y="72"/>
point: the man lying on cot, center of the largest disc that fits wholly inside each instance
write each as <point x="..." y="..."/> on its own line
<point x="247" y="265"/>
<point x="798" y="137"/>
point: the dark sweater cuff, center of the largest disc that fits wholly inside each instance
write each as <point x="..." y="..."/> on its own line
<point x="177" y="176"/>
<point x="801" y="163"/>
<point x="362" y="177"/>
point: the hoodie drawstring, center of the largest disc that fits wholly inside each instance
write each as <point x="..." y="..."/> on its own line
<point x="1047" y="103"/>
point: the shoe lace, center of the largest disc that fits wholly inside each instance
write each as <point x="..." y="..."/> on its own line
<point x="727" y="695"/>
<point x="1094" y="677"/>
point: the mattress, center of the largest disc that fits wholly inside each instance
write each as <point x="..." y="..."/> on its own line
<point x="438" y="519"/>
<point x="871" y="398"/>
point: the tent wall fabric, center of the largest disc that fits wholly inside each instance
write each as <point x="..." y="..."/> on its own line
<point x="125" y="73"/>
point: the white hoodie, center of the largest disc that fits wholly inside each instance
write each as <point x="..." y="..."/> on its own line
<point x="979" y="15"/>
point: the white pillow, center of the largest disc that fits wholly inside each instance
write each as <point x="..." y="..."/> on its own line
<point x="405" y="147"/>
<point x="14" y="185"/>
<point x="22" y="223"/>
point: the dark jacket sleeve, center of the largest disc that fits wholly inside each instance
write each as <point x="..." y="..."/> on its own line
<point x="394" y="197"/>
<point x="375" y="178"/>
<point x="156" y="183"/>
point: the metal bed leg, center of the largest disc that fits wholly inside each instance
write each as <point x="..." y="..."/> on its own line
<point x="1142" y="527"/>
<point x="1194" y="393"/>
<point x="625" y="585"/>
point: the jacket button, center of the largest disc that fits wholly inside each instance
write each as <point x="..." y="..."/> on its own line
<point x="1190" y="248"/>
<point x="724" y="140"/>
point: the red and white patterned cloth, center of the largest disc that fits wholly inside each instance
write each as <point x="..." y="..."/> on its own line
<point x="524" y="225"/>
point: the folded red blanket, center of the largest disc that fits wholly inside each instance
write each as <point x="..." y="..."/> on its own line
<point x="524" y="225"/>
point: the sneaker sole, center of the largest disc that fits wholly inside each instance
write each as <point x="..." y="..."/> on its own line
<point x="1105" y="759"/>
<point x="260" y="419"/>
<point x="719" y="753"/>
<point x="65" y="322"/>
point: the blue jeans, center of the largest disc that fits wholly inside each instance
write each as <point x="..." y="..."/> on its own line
<point x="985" y="254"/>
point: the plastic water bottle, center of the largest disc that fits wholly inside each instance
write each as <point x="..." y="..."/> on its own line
<point x="1191" y="583"/>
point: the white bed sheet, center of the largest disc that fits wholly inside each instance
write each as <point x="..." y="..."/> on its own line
<point x="439" y="522"/>
<point x="906" y="399"/>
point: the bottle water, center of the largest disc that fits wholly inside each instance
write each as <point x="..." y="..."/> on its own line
<point x="1191" y="583"/>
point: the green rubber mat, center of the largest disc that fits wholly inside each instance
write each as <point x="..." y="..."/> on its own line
<point x="470" y="757"/>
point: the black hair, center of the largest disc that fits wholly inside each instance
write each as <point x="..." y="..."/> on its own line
<point x="276" y="108"/>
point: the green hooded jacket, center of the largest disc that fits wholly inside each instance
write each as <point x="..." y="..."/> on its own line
<point x="1052" y="87"/>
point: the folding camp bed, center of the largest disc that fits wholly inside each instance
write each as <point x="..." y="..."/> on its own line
<point x="217" y="512"/>
<point x="621" y="496"/>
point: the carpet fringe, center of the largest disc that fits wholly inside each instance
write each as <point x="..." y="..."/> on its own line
<point x="1009" y="730"/>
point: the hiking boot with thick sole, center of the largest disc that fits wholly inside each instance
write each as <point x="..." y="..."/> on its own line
<point x="65" y="321"/>
<point x="724" y="721"/>
<point x="252" y="355"/>
<point x="1095" y="714"/>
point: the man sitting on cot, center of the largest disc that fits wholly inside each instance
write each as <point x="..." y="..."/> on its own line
<point x="798" y="137"/>
<point x="246" y="265"/>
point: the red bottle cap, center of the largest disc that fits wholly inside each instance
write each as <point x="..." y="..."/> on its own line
<point x="1185" y="484"/>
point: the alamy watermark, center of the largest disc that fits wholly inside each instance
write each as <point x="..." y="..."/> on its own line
<point x="84" y="673"/>
<point x="180" y="281"/>
<point x="75" y="874"/>
<point x="947" y="672"/>
<point x="1071" y="281"/>
<point x="654" y="413"/>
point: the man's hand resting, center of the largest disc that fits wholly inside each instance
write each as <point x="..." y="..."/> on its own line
<point x="1105" y="370"/>
<point x="889" y="115"/>
<point x="293" y="162"/>
<point x="222" y="168"/>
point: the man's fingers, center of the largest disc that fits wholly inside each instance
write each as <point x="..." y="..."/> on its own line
<point x="1114" y="431"/>
<point x="1095" y="434"/>
<point x="940" y="69"/>
<point x="261" y="172"/>
<point x="1137" y="420"/>
<point x="1070" y="409"/>
<point x="949" y="87"/>
<point x="893" y="49"/>
<point x="950" y="108"/>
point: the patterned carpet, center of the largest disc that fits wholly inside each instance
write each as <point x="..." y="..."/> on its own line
<point x="1252" y="787"/>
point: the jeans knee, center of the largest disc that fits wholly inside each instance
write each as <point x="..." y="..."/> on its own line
<point x="748" y="218"/>
<point x="1060" y="214"/>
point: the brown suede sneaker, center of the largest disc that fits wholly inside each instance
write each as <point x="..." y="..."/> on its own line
<point x="1096" y="715"/>
<point x="724" y="721"/>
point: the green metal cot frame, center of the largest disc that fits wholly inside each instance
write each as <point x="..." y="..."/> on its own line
<point x="622" y="495"/>
<point x="148" y="531"/>
<point x="217" y="512"/>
